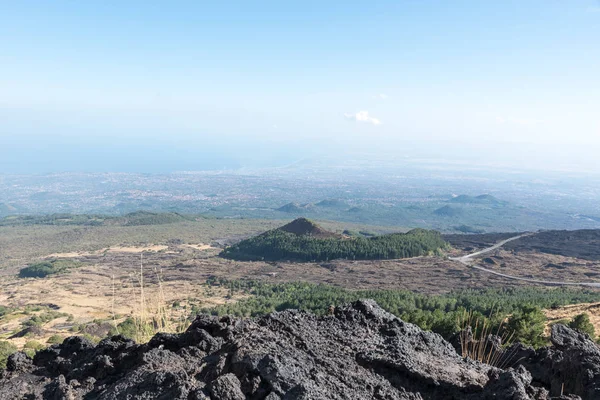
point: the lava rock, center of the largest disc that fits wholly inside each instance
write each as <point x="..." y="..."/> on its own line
<point x="18" y="362"/>
<point x="358" y="352"/>
<point x="571" y="366"/>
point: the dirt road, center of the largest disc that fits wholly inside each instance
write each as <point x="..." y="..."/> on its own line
<point x="469" y="260"/>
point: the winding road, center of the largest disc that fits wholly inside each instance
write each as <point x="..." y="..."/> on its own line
<point x="469" y="260"/>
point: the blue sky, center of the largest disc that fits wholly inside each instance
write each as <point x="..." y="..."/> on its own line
<point x="84" y="80"/>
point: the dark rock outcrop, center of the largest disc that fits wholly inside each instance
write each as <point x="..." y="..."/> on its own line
<point x="359" y="352"/>
<point x="571" y="365"/>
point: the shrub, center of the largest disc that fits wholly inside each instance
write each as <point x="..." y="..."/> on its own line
<point x="582" y="323"/>
<point x="37" y="270"/>
<point x="34" y="344"/>
<point x="563" y="321"/>
<point x="44" y="268"/>
<point x="136" y="329"/>
<point x="92" y="338"/>
<point x="32" y="347"/>
<point x="4" y="310"/>
<point x="528" y="324"/>
<point x="39" y="320"/>
<point x="6" y="349"/>
<point x="55" y="339"/>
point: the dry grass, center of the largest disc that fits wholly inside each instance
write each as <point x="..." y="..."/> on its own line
<point x="569" y="311"/>
<point x="152" y="314"/>
<point x="108" y="294"/>
<point x="476" y="340"/>
<point x="200" y="246"/>
<point x="113" y="249"/>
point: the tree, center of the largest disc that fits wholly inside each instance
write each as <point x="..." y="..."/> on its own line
<point x="6" y="349"/>
<point x="582" y="323"/>
<point x="527" y="326"/>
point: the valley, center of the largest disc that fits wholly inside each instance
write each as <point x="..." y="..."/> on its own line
<point x="180" y="262"/>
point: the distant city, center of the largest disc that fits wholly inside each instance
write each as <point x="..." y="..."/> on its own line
<point x="404" y="193"/>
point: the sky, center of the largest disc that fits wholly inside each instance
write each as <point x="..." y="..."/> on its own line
<point x="155" y="86"/>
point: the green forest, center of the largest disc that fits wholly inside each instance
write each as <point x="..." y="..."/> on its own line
<point x="276" y="245"/>
<point x="515" y="310"/>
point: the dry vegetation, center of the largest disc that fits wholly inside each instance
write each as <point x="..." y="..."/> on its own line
<point x="106" y="295"/>
<point x="21" y="244"/>
<point x="476" y="339"/>
<point x="566" y="313"/>
<point x="180" y="257"/>
<point x="106" y="291"/>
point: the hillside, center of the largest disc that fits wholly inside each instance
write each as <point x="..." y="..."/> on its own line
<point x="481" y="199"/>
<point x="6" y="209"/>
<point x="294" y="208"/>
<point x="332" y="203"/>
<point x="448" y="211"/>
<point x="303" y="240"/>
<point x="305" y="227"/>
<point x="140" y="218"/>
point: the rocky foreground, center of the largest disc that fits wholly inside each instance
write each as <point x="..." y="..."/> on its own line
<point x="360" y="352"/>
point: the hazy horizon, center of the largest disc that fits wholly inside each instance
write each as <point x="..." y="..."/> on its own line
<point x="149" y="88"/>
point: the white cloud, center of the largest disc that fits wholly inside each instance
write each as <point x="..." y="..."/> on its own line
<point x="362" y="116"/>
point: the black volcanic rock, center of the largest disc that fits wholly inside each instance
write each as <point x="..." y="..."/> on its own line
<point x="583" y="243"/>
<point x="571" y="365"/>
<point x="359" y="352"/>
